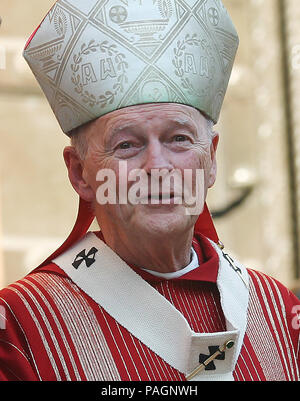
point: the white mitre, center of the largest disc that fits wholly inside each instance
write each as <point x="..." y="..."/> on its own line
<point x="92" y="57"/>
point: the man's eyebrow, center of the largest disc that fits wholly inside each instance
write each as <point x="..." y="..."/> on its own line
<point x="120" y="128"/>
<point x="183" y="123"/>
<point x="117" y="129"/>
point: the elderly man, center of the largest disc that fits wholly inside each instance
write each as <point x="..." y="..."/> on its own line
<point x="152" y="296"/>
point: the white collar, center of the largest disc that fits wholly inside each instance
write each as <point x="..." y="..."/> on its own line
<point x="170" y="276"/>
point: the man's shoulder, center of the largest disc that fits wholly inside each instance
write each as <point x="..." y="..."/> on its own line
<point x="268" y="290"/>
<point x="21" y="293"/>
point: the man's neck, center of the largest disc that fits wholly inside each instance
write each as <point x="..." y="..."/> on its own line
<point x="165" y="254"/>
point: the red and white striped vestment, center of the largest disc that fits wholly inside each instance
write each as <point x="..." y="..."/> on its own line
<point x="54" y="331"/>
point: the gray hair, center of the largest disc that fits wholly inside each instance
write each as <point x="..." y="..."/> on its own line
<point x="80" y="143"/>
<point x="210" y="128"/>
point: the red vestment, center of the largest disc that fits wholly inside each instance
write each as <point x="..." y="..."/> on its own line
<point x="55" y="331"/>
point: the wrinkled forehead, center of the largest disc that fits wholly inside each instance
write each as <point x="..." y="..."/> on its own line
<point x="150" y="115"/>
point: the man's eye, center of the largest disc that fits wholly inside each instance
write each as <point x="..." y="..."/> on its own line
<point x="125" y="145"/>
<point x="181" y="138"/>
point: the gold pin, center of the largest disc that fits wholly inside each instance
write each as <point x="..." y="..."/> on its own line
<point x="221" y="245"/>
<point x="228" y="345"/>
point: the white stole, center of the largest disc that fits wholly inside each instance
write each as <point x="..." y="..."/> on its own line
<point x="146" y="314"/>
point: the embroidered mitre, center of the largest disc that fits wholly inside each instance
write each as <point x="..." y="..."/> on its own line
<point x="92" y="57"/>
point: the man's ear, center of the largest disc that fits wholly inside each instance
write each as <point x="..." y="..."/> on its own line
<point x="213" y="156"/>
<point x="75" y="171"/>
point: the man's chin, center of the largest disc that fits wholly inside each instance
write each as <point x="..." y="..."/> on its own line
<point x="164" y="221"/>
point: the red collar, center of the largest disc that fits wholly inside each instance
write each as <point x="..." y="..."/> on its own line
<point x="209" y="268"/>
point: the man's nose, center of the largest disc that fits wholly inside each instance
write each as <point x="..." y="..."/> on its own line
<point x="156" y="157"/>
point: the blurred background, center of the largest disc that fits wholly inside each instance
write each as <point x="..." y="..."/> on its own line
<point x="256" y="200"/>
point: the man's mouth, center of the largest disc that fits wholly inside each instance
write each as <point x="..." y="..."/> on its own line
<point x="163" y="198"/>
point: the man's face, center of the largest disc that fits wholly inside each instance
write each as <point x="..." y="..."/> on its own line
<point x="167" y="138"/>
